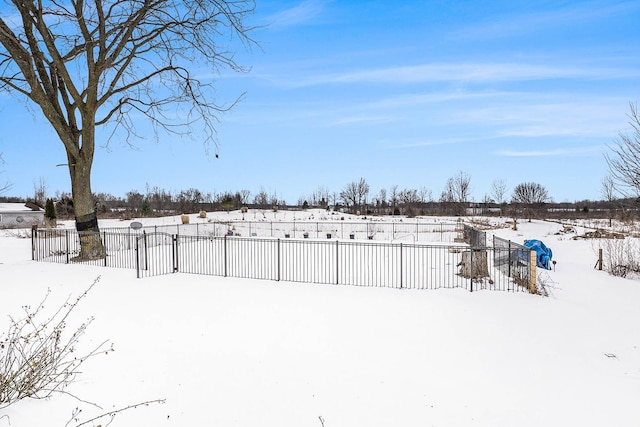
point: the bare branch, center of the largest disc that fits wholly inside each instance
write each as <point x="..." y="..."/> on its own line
<point x="112" y="414"/>
<point x="99" y="63"/>
<point x="624" y="162"/>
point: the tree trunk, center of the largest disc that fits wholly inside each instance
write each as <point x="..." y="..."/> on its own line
<point x="91" y="245"/>
<point x="474" y="264"/>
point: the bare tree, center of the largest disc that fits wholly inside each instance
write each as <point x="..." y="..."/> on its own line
<point x="393" y="198"/>
<point x="92" y="64"/>
<point x="409" y="199"/>
<point x="530" y="195"/>
<point x="461" y="187"/>
<point x="135" y="199"/>
<point x="624" y="162"/>
<point x="457" y="192"/>
<point x="499" y="192"/>
<point x="608" y="192"/>
<point x="40" y="192"/>
<point x="273" y="199"/>
<point x="425" y="195"/>
<point x="159" y="199"/>
<point x="243" y="197"/>
<point x="382" y="200"/>
<point x="355" y="194"/>
<point x="334" y="197"/>
<point x="320" y="197"/>
<point x="261" y="198"/>
<point x="6" y="186"/>
<point x="188" y="201"/>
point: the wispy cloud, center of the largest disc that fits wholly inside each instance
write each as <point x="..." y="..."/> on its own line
<point x="558" y="152"/>
<point x="463" y="72"/>
<point x="301" y="14"/>
<point x="513" y="24"/>
<point x="430" y="142"/>
<point x="363" y="119"/>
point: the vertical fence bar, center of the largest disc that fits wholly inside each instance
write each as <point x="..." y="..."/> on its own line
<point x="226" y="269"/>
<point x="337" y="262"/>
<point x="34" y="235"/>
<point x="471" y="270"/>
<point x="174" y="252"/>
<point x="66" y="235"/>
<point x="510" y="260"/>
<point x="137" y="260"/>
<point x="146" y="251"/>
<point x="278" y="260"/>
<point x="401" y="265"/>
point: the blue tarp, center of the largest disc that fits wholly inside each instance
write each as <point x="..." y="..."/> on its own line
<point x="544" y="254"/>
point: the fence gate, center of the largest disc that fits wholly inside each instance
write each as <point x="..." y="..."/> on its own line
<point x="156" y="254"/>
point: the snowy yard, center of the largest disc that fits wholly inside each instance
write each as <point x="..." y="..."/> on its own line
<point x="241" y="352"/>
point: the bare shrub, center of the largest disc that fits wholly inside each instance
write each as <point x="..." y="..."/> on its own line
<point x="621" y="257"/>
<point x="38" y="357"/>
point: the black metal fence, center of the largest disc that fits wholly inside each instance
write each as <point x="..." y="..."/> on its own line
<point x="63" y="246"/>
<point x="514" y="261"/>
<point x="474" y="237"/>
<point x="343" y="262"/>
<point x="354" y="230"/>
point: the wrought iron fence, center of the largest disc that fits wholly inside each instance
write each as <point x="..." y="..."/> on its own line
<point x="340" y="262"/>
<point x="514" y="261"/>
<point x="63" y="246"/>
<point x="473" y="237"/>
<point x="354" y="230"/>
<point x="335" y="261"/>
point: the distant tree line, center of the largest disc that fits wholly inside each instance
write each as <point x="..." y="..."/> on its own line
<point x="526" y="200"/>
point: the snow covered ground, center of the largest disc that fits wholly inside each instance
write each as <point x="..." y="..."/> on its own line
<point x="236" y="352"/>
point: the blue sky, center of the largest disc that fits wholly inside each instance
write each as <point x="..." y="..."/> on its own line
<point x="406" y="93"/>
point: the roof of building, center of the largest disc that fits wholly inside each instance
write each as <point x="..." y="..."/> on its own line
<point x="16" y="207"/>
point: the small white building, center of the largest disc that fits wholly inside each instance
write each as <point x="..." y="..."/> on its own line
<point x="20" y="215"/>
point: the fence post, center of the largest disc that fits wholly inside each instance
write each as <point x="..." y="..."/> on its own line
<point x="401" y="265"/>
<point x="104" y="242"/>
<point x="279" y="260"/>
<point x="510" y="260"/>
<point x="34" y="235"/>
<point x="337" y="262"/>
<point x="66" y="238"/>
<point x="600" y="259"/>
<point x="532" y="272"/>
<point x="174" y="248"/>
<point x="137" y="252"/>
<point x="146" y="250"/>
<point x="471" y="270"/>
<point x="225" y="256"/>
